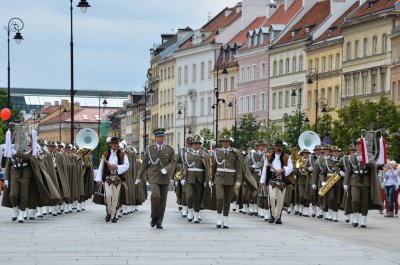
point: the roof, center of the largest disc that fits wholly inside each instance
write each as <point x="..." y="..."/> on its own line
<point x="50" y="109"/>
<point x="371" y="7"/>
<point x="242" y="36"/>
<point x="83" y="115"/>
<point x="280" y="17"/>
<point x="335" y="30"/>
<point x="307" y="24"/>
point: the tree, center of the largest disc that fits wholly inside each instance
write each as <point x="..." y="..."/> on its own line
<point x="291" y="134"/>
<point x="247" y="132"/>
<point x="269" y="134"/>
<point x="96" y="155"/>
<point x="208" y="135"/>
<point x="324" y="126"/>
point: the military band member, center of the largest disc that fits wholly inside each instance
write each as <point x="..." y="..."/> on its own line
<point x="301" y="184"/>
<point x="181" y="166"/>
<point x="362" y="181"/>
<point x="277" y="167"/>
<point x="319" y="180"/>
<point x="158" y="161"/>
<point x="111" y="171"/>
<point x="197" y="175"/>
<point x="313" y="193"/>
<point x="227" y="175"/>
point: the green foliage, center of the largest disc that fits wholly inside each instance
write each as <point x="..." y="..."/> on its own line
<point x="207" y="134"/>
<point x="269" y="134"/>
<point x="291" y="134"/>
<point x="102" y="146"/>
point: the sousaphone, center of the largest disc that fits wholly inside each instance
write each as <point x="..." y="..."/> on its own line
<point x="309" y="140"/>
<point x="87" y="138"/>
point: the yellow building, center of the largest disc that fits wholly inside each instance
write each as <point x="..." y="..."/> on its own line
<point x="324" y="58"/>
<point x="367" y="51"/>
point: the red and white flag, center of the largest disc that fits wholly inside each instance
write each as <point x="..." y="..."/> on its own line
<point x="382" y="158"/>
<point x="364" y="151"/>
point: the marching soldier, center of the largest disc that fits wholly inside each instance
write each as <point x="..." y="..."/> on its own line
<point x="301" y="183"/>
<point x="313" y="195"/>
<point x="362" y="181"/>
<point x="111" y="171"/>
<point x="159" y="159"/>
<point x="319" y="180"/>
<point x="181" y="165"/>
<point x="277" y="167"/>
<point x="334" y="193"/>
<point x="198" y="174"/>
<point x="227" y="174"/>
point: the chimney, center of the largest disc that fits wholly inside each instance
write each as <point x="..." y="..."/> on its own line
<point x="228" y="12"/>
<point x="238" y="7"/>
<point x="271" y="8"/>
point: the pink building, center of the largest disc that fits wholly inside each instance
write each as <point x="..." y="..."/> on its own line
<point x="253" y="60"/>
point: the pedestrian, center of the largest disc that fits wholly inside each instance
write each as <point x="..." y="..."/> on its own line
<point x="391" y="180"/>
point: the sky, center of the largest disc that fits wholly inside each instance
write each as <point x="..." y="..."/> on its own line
<point x="111" y="41"/>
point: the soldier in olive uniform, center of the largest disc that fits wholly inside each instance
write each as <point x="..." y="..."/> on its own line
<point x="301" y="183"/>
<point x="227" y="174"/>
<point x="256" y="160"/>
<point x="313" y="193"/>
<point x="181" y="166"/>
<point x="362" y="180"/>
<point x="196" y="177"/>
<point x="320" y="176"/>
<point x="158" y="161"/>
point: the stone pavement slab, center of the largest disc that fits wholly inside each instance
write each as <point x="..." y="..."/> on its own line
<point x="84" y="238"/>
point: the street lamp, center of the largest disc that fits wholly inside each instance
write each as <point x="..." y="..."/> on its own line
<point x="148" y="92"/>
<point x="232" y="98"/>
<point x="61" y="112"/>
<point x="217" y="101"/>
<point x="14" y="25"/>
<point x="182" y="107"/>
<point x="83" y="5"/>
<point x="104" y="97"/>
<point x="312" y="74"/>
<point x="297" y="86"/>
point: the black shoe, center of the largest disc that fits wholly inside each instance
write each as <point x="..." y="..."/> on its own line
<point x="355" y="224"/>
<point x="271" y="220"/>
<point x="347" y="221"/>
<point x="31" y="218"/>
<point x="25" y="218"/>
<point x="278" y="221"/>
<point x="78" y="211"/>
<point x="108" y="218"/>
<point x="197" y="222"/>
<point x="66" y="212"/>
<point x="45" y="214"/>
<point x="124" y="214"/>
<point x="190" y="220"/>
<point x="335" y="221"/>
<point x="306" y="215"/>
<point x="54" y="214"/>
<point x="41" y="216"/>
<point x="153" y="222"/>
<point x="218" y="226"/>
<point x="180" y="208"/>
<point x="300" y="214"/>
<point x="234" y="209"/>
<point x="225" y="227"/>
<point x="313" y="215"/>
<point x="159" y="226"/>
<point x="114" y="220"/>
<point x="21" y="221"/>
<point x="83" y="210"/>
<point x="320" y="216"/>
<point x="14" y="219"/>
<point x="296" y="213"/>
<point x="363" y="226"/>
<point x="59" y="213"/>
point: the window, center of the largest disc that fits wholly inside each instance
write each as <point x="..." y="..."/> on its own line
<point x="194" y="72"/>
<point x="280" y="67"/>
<point x="330" y="63"/>
<point x="294" y="65"/>
<point x="393" y="90"/>
<point x="179" y="75"/>
<point x="365" y="47"/>
<point x="357" y="49"/>
<point x="309" y="99"/>
<point x="202" y="71"/>
<point x="347" y="86"/>
<point x="293" y="100"/>
<point x="301" y="63"/>
<point x="253" y="103"/>
<point x="241" y="105"/>
<point x="287" y="66"/>
<point x="209" y="70"/>
<point x="162" y="74"/>
<point x="185" y="74"/>
<point x="329" y="97"/>
<point x="274" y="100"/>
<point x="263" y="70"/>
<point x="323" y="92"/>
<point x="348" y="51"/>
<point x="373" y="83"/>
<point x="169" y="72"/>
<point x="247" y="104"/>
<point x="323" y="66"/>
<point x="274" y="69"/>
<point x="232" y="83"/>
<point x="374" y="45"/>
<point x="262" y="101"/>
<point x="383" y="81"/>
<point x="365" y="84"/>
<point x="317" y="64"/>
<point x="337" y="96"/>
<point x="248" y="73"/>
<point x="356" y="83"/>
<point x="209" y="105"/>
<point x="253" y="74"/>
<point x="173" y="71"/>
<point x="280" y="100"/>
<point x="384" y="42"/>
<point x="310" y="64"/>
<point x="225" y="84"/>
<point x="161" y="98"/>
<point x="286" y="99"/>
<point x="337" y="60"/>
<point x="242" y="74"/>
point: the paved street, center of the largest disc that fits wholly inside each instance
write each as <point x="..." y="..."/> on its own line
<point x="84" y="238"/>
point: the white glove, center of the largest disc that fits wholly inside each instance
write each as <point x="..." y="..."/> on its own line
<point x="210" y="184"/>
<point x="176" y="183"/>
<point x="323" y="184"/>
<point x="342" y="173"/>
<point x="137" y="181"/>
<point x="255" y="166"/>
<point x="183" y="182"/>
<point x="163" y="171"/>
<point x="237" y="184"/>
<point x="6" y="183"/>
<point x="345" y="187"/>
<point x="359" y="158"/>
<point x="310" y="169"/>
<point x="314" y="187"/>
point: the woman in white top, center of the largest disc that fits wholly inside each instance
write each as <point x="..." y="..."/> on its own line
<point x="391" y="180"/>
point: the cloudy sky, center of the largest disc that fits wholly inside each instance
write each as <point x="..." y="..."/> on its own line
<point x="112" y="40"/>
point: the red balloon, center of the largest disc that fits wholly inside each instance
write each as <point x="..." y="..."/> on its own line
<point x="5" y="114"/>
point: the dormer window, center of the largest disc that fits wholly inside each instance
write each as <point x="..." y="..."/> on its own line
<point x="294" y="32"/>
<point x="371" y="3"/>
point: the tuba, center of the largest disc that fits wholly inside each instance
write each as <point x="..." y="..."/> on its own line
<point x="309" y="140"/>
<point x="21" y="138"/>
<point x="87" y="138"/>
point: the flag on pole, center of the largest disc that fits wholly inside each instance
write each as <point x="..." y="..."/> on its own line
<point x="382" y="158"/>
<point x="364" y="151"/>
